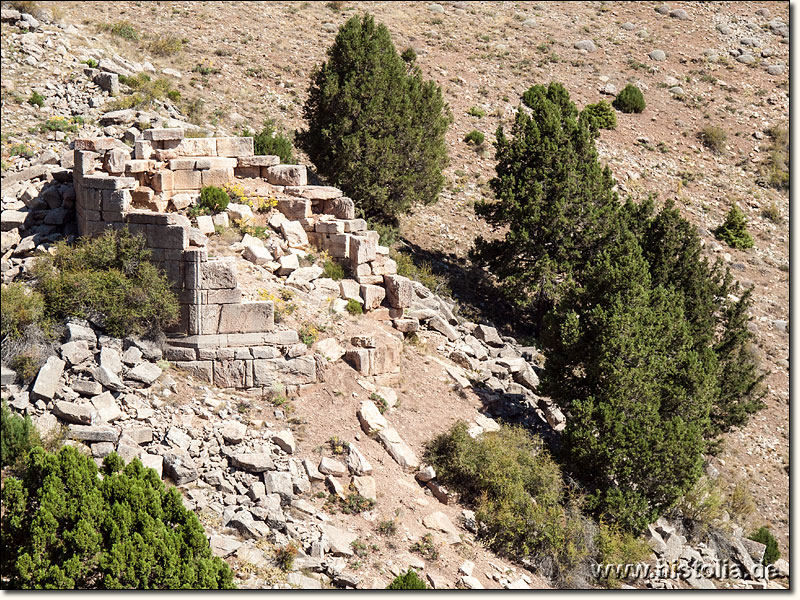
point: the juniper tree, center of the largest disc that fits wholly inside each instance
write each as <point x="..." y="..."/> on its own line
<point x="64" y="527"/>
<point x="375" y="128"/>
<point x="553" y="196"/>
<point x="622" y="360"/>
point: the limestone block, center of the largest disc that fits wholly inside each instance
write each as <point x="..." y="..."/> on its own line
<point x="240" y="212"/>
<point x="292" y="175"/>
<point x="182" y="201"/>
<point x="265" y="160"/>
<point x="235" y="146"/>
<point x="163" y="134"/>
<point x="217" y="275"/>
<point x="250" y="317"/>
<point x="137" y="166"/>
<point x="330" y="227"/>
<point x="143" y="195"/>
<point x="362" y="249"/>
<point x="294" y="234"/>
<point x="314" y="192"/>
<point x="204" y="163"/>
<point x="350" y="290"/>
<point x="205" y="224"/>
<point x="288" y="264"/>
<point x="295" y="208"/>
<point x="116" y="200"/>
<point x="341" y="208"/>
<point x="399" y="291"/>
<point x="371" y="419"/>
<point x="47" y="380"/>
<point x="398" y="449"/>
<point x="247" y="172"/>
<point x="186" y="180"/>
<point x="217" y="177"/>
<point x="372" y="295"/>
<point x="230" y="373"/>
<point x="142" y="150"/>
<point x="196" y="147"/>
<point x="337" y="245"/>
<point x="115" y="159"/>
<point x="257" y="255"/>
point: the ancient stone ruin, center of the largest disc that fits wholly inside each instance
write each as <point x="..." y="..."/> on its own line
<point x="220" y="337"/>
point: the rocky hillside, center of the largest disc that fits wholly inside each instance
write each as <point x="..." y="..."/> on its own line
<point x="231" y="65"/>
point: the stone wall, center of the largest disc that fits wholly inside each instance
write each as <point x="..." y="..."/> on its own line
<point x="229" y="342"/>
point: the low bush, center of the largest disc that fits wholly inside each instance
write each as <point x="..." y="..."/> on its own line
<point x="166" y="45"/>
<point x="775" y="169"/>
<point x="599" y="116"/>
<point x="734" y="230"/>
<point x="771" y="553"/>
<point x="713" y="138"/>
<point x="271" y="141"/>
<point x="22" y="308"/>
<point x="387" y="233"/>
<point x="91" y="63"/>
<point x="523" y="508"/>
<point x="407" y="581"/>
<point x="285" y="555"/>
<point x="17" y="436"/>
<point x="425" y="547"/>
<point x="630" y="100"/>
<point x="354" y="307"/>
<point x="213" y="200"/>
<point x="64" y="527"/>
<point x="332" y="270"/>
<point x="476" y="112"/>
<point x="36" y="99"/>
<point x="124" y="30"/>
<point x="421" y="272"/>
<point x="475" y="138"/>
<point x="109" y="280"/>
<point x="617" y="547"/>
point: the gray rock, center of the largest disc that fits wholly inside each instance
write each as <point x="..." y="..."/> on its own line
<point x="7" y="376"/>
<point x="628" y="26"/>
<point x="587" y="45"/>
<point x="488" y="335"/>
<point x="102" y="449"/>
<point x="81" y="414"/>
<point x="279" y="482"/>
<point x="340" y="541"/>
<point x="178" y="439"/>
<point x="357" y="462"/>
<point x="47" y="381"/>
<point x="149" y="349"/>
<point x="86" y="387"/>
<point x="132" y="356"/>
<point x="676" y="90"/>
<point x="111" y="360"/>
<point x="723" y="29"/>
<point x="108" y="379"/>
<point x="145" y="372"/>
<point x="254" y="462"/>
<point x="179" y="467"/>
<point x="658" y="55"/>
<point x="746" y="58"/>
<point x="77" y="332"/>
<point x="679" y="13"/>
<point x="285" y="441"/>
<point x="106" y="407"/>
<point x="663" y="9"/>
<point x="233" y="432"/>
<point x="776" y="69"/>
<point x="244" y="523"/>
<point x="93" y="433"/>
<point x="437" y="323"/>
<point x="223" y="545"/>
<point x="331" y="466"/>
<point x="75" y="352"/>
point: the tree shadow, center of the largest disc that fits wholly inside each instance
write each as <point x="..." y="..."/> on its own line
<point x="478" y="298"/>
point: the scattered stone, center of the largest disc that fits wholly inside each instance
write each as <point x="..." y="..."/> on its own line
<point x="47" y="381"/>
<point x="586" y="45"/>
<point x="331" y="466"/>
<point x="357" y="462"/>
<point x="398" y="449"/>
<point x="658" y="55"/>
<point x="233" y="432"/>
<point x="252" y="462"/>
<point x="285" y="441"/>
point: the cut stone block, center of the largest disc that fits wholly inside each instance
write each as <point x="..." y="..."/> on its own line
<point x="250" y="317"/>
<point x="371" y="419"/>
<point x="398" y="449"/>
<point x="235" y="146"/>
<point x="289" y="175"/>
<point x="47" y="381"/>
<point x="399" y="291"/>
<point x="294" y="234"/>
<point x="362" y="249"/>
<point x="160" y="135"/>
<point x="372" y="295"/>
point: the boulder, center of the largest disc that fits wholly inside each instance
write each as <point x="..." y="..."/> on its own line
<point x="179" y="467"/>
<point x="252" y="462"/>
<point x="233" y="432"/>
<point x="398" y="449"/>
<point x="331" y="466"/>
<point x="47" y="381"/>
<point x="371" y="419"/>
<point x="365" y="486"/>
<point x="80" y="414"/>
<point x="357" y="462"/>
<point x="145" y="372"/>
<point x="285" y="441"/>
